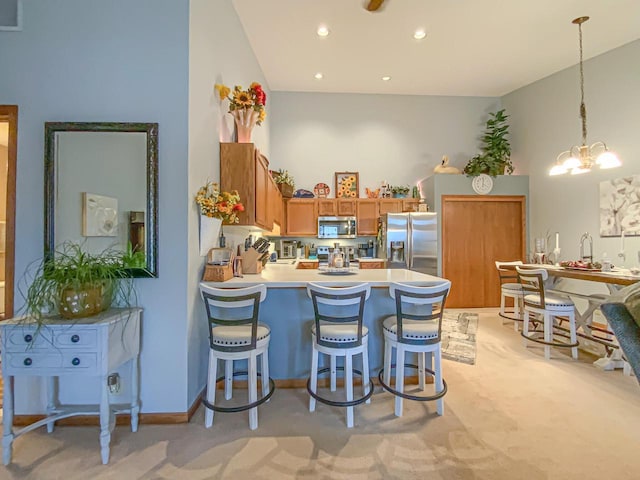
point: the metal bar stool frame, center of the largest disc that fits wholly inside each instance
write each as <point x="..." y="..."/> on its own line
<point x="408" y="338"/>
<point x="236" y="349"/>
<point x="536" y="301"/>
<point x="339" y="347"/>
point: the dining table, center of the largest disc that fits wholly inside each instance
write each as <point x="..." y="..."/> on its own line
<point x="614" y="280"/>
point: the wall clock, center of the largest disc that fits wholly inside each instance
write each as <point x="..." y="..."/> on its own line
<point x="482" y="184"/>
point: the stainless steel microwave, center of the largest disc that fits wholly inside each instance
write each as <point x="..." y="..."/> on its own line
<point x="337" y="227"/>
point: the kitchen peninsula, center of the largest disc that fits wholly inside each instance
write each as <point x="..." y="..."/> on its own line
<point x="289" y="313"/>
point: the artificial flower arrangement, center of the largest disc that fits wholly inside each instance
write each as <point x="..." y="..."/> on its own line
<point x="253" y="99"/>
<point x="217" y="204"/>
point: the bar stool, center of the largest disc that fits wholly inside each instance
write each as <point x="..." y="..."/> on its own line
<point x="416" y="327"/>
<point x="235" y="334"/>
<point x="510" y="288"/>
<point x="338" y="331"/>
<point x="549" y="306"/>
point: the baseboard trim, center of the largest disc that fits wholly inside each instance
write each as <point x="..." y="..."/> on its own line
<point x="174" y="418"/>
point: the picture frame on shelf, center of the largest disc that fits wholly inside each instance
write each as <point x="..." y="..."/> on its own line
<point x="347" y="185"/>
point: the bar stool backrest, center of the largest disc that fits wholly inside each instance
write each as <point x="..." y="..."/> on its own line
<point x="508" y="275"/>
<point x="532" y="281"/>
<point x="233" y="307"/>
<point x="339" y="305"/>
<point x="419" y="303"/>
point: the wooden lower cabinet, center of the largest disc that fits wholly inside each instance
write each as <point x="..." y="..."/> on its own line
<point x="372" y="264"/>
<point x="367" y="214"/>
<point x="301" y="217"/>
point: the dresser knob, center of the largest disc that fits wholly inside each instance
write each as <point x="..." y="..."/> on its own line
<point x="75" y="338"/>
<point x="28" y="338"/>
<point x="75" y="361"/>
<point x="27" y="361"/>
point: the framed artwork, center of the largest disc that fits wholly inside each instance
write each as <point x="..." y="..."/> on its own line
<point x="11" y="15"/>
<point x="99" y="215"/>
<point x="620" y="206"/>
<point x="347" y="185"/>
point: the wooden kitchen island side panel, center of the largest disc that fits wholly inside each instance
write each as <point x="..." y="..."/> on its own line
<point x="289" y="313"/>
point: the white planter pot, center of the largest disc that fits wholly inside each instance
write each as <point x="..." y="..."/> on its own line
<point x="209" y="233"/>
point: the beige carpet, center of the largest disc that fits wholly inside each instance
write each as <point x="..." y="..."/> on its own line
<point x="512" y="415"/>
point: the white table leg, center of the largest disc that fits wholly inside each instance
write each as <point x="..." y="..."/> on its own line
<point x="135" y="393"/>
<point x="52" y="399"/>
<point x="105" y="432"/>
<point x="7" y="419"/>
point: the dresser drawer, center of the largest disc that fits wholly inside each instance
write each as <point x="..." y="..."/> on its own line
<point x="51" y="339"/>
<point x="22" y="339"/>
<point x="63" y="363"/>
<point x="85" y="338"/>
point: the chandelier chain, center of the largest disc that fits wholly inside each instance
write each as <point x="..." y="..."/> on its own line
<point x="583" y="108"/>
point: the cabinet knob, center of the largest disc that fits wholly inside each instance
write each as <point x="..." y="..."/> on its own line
<point x="75" y="361"/>
<point x="75" y="338"/>
<point x="28" y="338"/>
<point x="27" y="361"/>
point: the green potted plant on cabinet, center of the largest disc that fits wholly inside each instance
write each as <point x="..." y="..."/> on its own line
<point x="495" y="158"/>
<point x="285" y="182"/>
<point x="74" y="283"/>
<point x="399" y="191"/>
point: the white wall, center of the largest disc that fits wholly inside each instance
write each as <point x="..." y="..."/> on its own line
<point x="219" y="52"/>
<point x="545" y="121"/>
<point x="397" y="138"/>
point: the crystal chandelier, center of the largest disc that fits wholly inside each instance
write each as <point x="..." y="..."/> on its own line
<point x="580" y="159"/>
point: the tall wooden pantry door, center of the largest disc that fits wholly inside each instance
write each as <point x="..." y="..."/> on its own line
<point x="477" y="231"/>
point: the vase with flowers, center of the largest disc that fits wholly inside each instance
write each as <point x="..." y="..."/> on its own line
<point x="246" y="106"/>
<point x="216" y="207"/>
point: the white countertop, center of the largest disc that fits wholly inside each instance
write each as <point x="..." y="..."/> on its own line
<point x="276" y="275"/>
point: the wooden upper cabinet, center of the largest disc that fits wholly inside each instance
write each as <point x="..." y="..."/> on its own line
<point x="327" y="207"/>
<point x="390" y="205"/>
<point x="346" y="208"/>
<point x="367" y="212"/>
<point x="245" y="169"/>
<point x="274" y="204"/>
<point x="301" y="217"/>
<point x="410" y="204"/>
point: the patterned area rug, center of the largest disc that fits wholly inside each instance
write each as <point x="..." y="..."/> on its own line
<point x="459" y="336"/>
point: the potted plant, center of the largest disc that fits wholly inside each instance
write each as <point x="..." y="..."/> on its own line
<point x="495" y="158"/>
<point x="74" y="283"/>
<point x="399" y="191"/>
<point x="285" y="182"/>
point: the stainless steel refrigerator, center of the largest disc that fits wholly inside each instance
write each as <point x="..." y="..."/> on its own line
<point x="409" y="240"/>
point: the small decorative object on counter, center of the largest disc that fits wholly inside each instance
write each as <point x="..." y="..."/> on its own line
<point x="372" y="193"/>
<point x="302" y="193"/>
<point x="246" y="106"/>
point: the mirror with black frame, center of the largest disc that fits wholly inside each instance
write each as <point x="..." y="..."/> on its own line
<point x="101" y="190"/>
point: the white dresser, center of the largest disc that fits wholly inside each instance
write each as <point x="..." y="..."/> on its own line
<point x="94" y="346"/>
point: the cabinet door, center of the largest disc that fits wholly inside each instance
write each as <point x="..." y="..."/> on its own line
<point x="327" y="207"/>
<point x="410" y="204"/>
<point x="346" y="208"/>
<point x="238" y="172"/>
<point x="302" y="217"/>
<point x="262" y="195"/>
<point x="367" y="213"/>
<point x="390" y="205"/>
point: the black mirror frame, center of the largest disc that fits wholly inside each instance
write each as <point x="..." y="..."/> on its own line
<point x="151" y="129"/>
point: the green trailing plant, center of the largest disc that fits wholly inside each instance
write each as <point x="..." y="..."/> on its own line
<point x="283" y="176"/>
<point x="495" y="158"/>
<point x="75" y="283"/>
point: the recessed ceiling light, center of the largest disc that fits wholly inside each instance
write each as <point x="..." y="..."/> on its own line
<point x="323" y="31"/>
<point x="386" y="78"/>
<point x="318" y="76"/>
<point x="419" y="34"/>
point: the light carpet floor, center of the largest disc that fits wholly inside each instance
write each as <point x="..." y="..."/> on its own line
<point x="512" y="415"/>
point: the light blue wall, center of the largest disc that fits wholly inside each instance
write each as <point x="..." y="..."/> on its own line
<point x="117" y="60"/>
<point x="544" y="120"/>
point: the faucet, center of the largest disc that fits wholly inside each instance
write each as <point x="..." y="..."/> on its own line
<point x="585" y="237"/>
